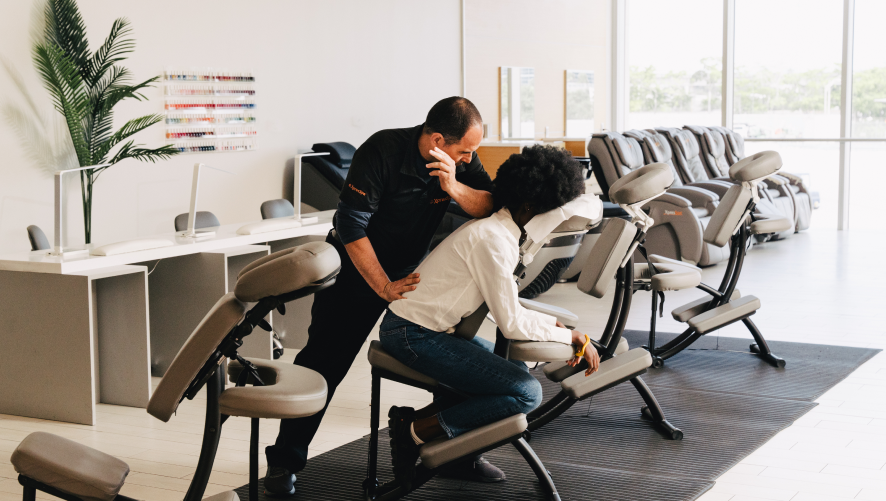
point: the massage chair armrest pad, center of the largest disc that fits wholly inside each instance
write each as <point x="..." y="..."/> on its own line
<point x="670" y="199"/>
<point x="566" y="317"/>
<point x="718" y="187"/>
<point x="629" y="364"/>
<point x="699" y="197"/>
<point x="656" y="259"/>
<point x="442" y="451"/>
<point x="775" y="180"/>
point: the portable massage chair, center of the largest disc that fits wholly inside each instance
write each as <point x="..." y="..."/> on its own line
<point x="276" y="390"/>
<point x="611" y="258"/>
<point x="733" y="223"/>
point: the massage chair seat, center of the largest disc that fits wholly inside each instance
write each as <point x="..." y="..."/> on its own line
<point x="733" y="223"/>
<point x="679" y="224"/>
<point x="686" y="153"/>
<point x="323" y="176"/>
<point x="75" y="472"/>
<point x="805" y="201"/>
<point x="714" y="156"/>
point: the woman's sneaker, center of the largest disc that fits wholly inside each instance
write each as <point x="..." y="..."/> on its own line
<point x="478" y="469"/>
<point x="404" y="450"/>
<point x="279" y="482"/>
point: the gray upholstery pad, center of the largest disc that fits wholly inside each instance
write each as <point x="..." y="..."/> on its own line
<point x="697" y="307"/>
<point x="625" y="365"/>
<point x="378" y="357"/>
<point x="668" y="277"/>
<point x="727" y="216"/>
<point x="641" y="184"/>
<point x="724" y="314"/>
<point x="290" y="391"/>
<point x="767" y="223"/>
<point x="286" y="271"/>
<point x="540" y="351"/>
<point x="440" y="452"/>
<point x="223" y="317"/>
<point x="606" y="257"/>
<point x="70" y="467"/>
<point x="566" y="317"/>
<point x="558" y="371"/>
<point x="756" y="166"/>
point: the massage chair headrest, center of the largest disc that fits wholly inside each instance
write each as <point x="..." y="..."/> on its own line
<point x="579" y="213"/>
<point x="287" y="271"/>
<point x="642" y="184"/>
<point x="340" y="152"/>
<point x="756" y="166"/>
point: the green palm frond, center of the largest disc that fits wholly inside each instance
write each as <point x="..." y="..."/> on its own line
<point x="65" y="28"/>
<point x="131" y="150"/>
<point x="132" y="127"/>
<point x="111" y="51"/>
<point x="62" y="79"/>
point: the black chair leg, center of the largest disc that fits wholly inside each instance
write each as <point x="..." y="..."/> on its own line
<point x="653" y="411"/>
<point x="29" y="494"/>
<point x="538" y="468"/>
<point x="253" y="461"/>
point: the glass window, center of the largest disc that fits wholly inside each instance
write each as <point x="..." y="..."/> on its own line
<point x="869" y="70"/>
<point x="674" y="53"/>
<point x="787" y="68"/>
<point x="817" y="164"/>
<point x="579" y="103"/>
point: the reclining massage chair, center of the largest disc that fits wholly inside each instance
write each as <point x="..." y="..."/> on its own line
<point x="733" y="223"/>
<point x="612" y="257"/>
<point x="805" y="201"/>
<point x="680" y="215"/>
<point x="715" y="156"/>
<point x="75" y="472"/>
<point x="687" y="155"/>
<point x="324" y="176"/>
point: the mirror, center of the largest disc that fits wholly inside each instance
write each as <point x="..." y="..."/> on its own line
<point x="579" y="103"/>
<point x="517" y="102"/>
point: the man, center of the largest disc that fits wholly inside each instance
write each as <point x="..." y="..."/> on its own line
<point x="398" y="188"/>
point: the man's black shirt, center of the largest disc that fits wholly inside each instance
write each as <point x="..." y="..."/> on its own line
<point x="406" y="209"/>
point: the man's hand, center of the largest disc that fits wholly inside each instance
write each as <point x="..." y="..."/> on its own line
<point x="445" y="170"/>
<point x="590" y="355"/>
<point x="395" y="290"/>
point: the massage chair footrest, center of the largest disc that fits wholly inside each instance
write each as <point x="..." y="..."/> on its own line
<point x="612" y="372"/>
<point x="725" y="314"/>
<point x="442" y="451"/>
<point x="689" y="310"/>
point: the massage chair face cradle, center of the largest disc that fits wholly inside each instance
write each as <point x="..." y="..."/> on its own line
<point x="75" y="472"/>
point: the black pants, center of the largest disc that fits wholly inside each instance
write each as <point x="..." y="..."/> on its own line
<point x="341" y="319"/>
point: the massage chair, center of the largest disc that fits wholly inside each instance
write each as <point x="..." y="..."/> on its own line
<point x="323" y="176"/>
<point x="612" y="258"/>
<point x="715" y="155"/>
<point x="263" y="388"/>
<point x="734" y="221"/>
<point x="687" y="156"/>
<point x="680" y="215"/>
<point x="805" y="201"/>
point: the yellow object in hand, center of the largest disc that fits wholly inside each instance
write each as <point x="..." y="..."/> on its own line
<point x="581" y="352"/>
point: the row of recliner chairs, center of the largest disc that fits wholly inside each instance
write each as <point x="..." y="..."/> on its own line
<point x="700" y="158"/>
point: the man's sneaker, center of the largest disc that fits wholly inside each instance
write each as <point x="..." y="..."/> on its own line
<point x="478" y="470"/>
<point x="279" y="482"/>
<point x="404" y="451"/>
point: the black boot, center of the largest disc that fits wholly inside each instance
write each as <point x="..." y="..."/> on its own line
<point x="404" y="450"/>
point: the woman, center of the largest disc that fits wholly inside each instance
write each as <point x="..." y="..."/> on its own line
<point x="473" y="265"/>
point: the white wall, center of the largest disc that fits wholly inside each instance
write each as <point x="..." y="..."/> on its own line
<point x="326" y="70"/>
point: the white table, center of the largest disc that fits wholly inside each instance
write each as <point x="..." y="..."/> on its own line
<point x="78" y="331"/>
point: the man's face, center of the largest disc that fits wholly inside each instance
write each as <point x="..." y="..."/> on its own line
<point x="461" y="151"/>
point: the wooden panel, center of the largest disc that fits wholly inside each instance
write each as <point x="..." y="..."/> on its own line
<point x="493" y="156"/>
<point x="577" y="148"/>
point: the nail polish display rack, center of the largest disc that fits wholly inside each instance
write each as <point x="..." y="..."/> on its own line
<point x="210" y="110"/>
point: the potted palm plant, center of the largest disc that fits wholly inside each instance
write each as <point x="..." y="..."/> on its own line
<point x="85" y="87"/>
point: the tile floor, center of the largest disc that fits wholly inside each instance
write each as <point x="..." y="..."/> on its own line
<point x="816" y="287"/>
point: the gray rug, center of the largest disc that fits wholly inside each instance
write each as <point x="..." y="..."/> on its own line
<point x="727" y="402"/>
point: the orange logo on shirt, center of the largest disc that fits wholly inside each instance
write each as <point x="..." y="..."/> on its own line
<point x="355" y="189"/>
<point x="440" y="200"/>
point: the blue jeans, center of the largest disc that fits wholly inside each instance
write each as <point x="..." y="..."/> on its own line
<point x="499" y="388"/>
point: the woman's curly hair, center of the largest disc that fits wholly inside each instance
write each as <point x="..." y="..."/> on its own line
<point x="545" y="176"/>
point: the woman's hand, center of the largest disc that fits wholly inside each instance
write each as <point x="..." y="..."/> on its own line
<point x="590" y="355"/>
